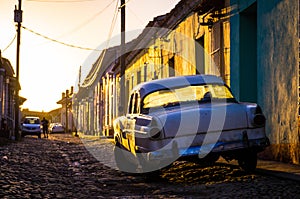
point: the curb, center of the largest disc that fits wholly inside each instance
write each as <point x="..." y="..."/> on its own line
<point x="279" y="174"/>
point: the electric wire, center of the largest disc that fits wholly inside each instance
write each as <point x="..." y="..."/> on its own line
<point x="135" y="15"/>
<point x="86" y="22"/>
<point x="56" y="41"/>
<point x="93" y="74"/>
<point x="10" y="43"/>
<point x="61" y="1"/>
<point x="81" y="25"/>
<point x="121" y="6"/>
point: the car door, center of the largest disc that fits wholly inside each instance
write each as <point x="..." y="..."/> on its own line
<point x="125" y="123"/>
<point x="131" y="121"/>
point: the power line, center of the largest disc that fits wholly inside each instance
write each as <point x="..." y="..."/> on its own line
<point x="124" y="4"/>
<point x="135" y="15"/>
<point x="113" y="23"/>
<point x="61" y="1"/>
<point x="54" y="40"/>
<point x="88" y="20"/>
<point x="93" y="75"/>
<point x="11" y="42"/>
<point x="81" y="25"/>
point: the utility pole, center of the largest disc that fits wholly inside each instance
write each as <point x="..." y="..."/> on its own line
<point x="67" y="115"/>
<point x="122" y="59"/>
<point x="17" y="19"/>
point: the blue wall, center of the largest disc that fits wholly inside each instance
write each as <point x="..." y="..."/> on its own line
<point x="269" y="74"/>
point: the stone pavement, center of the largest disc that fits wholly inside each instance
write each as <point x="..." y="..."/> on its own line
<point x="264" y="167"/>
<point x="67" y="167"/>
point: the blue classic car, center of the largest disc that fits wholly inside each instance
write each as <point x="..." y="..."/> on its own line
<point x="193" y="118"/>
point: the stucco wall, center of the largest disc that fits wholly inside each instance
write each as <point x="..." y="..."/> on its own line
<point x="277" y="70"/>
<point x="278" y="75"/>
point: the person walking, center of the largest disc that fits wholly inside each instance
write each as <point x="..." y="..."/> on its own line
<point x="45" y="127"/>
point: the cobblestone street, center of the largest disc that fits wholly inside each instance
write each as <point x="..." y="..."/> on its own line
<point x="64" y="166"/>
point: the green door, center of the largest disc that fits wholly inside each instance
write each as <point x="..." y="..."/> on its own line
<point x="248" y="54"/>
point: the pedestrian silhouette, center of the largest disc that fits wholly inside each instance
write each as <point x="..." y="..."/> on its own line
<point x="45" y="127"/>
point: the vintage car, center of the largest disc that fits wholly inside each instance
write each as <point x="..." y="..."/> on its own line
<point x="194" y="118"/>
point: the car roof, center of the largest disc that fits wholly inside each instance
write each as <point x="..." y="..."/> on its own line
<point x="175" y="82"/>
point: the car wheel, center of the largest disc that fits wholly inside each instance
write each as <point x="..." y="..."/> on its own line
<point x="122" y="160"/>
<point x="248" y="161"/>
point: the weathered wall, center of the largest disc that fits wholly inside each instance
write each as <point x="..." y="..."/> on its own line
<point x="276" y="68"/>
<point x="278" y="75"/>
<point x="179" y="45"/>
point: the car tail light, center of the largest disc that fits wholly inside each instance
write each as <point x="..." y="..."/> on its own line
<point x="259" y="119"/>
<point x="258" y="110"/>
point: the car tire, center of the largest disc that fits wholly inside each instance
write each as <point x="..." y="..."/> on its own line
<point x="122" y="161"/>
<point x="248" y="161"/>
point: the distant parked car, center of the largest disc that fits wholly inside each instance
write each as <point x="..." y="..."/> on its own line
<point x="194" y="118"/>
<point x="31" y="125"/>
<point x="56" y="128"/>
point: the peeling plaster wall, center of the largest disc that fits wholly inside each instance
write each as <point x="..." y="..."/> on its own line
<point x="276" y="72"/>
<point x="278" y="75"/>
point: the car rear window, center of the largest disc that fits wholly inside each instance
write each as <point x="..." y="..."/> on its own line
<point x="186" y="94"/>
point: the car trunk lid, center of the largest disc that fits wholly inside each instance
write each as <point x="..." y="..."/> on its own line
<point x="202" y="118"/>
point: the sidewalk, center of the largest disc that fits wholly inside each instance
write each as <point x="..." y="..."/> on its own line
<point x="274" y="168"/>
<point x="279" y="169"/>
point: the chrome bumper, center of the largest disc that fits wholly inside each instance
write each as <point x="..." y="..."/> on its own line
<point x="219" y="147"/>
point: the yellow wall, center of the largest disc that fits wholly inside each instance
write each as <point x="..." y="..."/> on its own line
<point x="180" y="44"/>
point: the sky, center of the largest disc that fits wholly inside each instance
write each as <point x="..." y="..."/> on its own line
<point x="50" y="66"/>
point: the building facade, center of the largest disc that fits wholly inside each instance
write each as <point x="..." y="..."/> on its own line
<point x="8" y="85"/>
<point x="264" y="68"/>
<point x="66" y="111"/>
<point x="169" y="45"/>
<point x="251" y="44"/>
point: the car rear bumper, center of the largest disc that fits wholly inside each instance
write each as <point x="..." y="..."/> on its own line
<point x="201" y="151"/>
<point x="238" y="141"/>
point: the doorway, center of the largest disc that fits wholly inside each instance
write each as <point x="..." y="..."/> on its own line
<point x="248" y="54"/>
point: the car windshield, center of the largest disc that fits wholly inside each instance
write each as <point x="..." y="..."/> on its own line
<point x="199" y="93"/>
<point x="31" y="121"/>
